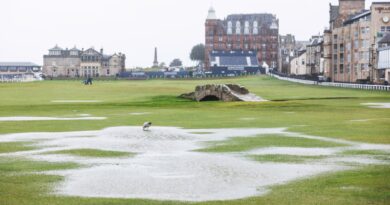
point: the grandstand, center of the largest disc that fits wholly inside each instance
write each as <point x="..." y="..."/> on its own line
<point x="234" y="62"/>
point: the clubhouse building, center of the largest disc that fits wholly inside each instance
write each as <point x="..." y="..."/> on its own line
<point x="82" y="63"/>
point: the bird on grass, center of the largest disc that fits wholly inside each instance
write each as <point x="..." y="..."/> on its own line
<point x="146" y="126"/>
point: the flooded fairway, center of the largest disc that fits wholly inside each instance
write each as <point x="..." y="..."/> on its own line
<point x="165" y="165"/>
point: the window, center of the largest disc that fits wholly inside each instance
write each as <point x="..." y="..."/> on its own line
<point x="108" y="71"/>
<point x="238" y="27"/>
<point x="246" y="29"/>
<point x="229" y="29"/>
<point x="22" y="69"/>
<point x="356" y="44"/>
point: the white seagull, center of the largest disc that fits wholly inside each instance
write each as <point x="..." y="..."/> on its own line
<point x="146" y="126"/>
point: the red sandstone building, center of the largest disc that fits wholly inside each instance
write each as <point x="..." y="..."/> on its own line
<point x="243" y="32"/>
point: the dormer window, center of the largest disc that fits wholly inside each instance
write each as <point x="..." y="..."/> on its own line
<point x="230" y="28"/>
<point x="238" y="27"/>
<point x="246" y="29"/>
<point x="255" y="28"/>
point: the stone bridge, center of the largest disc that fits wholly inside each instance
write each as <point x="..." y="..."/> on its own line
<point x="222" y="92"/>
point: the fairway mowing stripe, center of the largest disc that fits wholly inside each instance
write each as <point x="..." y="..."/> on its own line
<point x="76" y="101"/>
<point x="16" y="119"/>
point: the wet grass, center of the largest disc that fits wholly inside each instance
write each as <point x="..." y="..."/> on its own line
<point x="7" y="147"/>
<point x="377" y="154"/>
<point x="365" y="152"/>
<point x="93" y="153"/>
<point x="367" y="185"/>
<point x="284" y="158"/>
<point x="20" y="165"/>
<point x="313" y="110"/>
<point x="240" y="144"/>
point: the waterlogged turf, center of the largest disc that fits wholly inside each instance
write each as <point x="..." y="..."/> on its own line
<point x="93" y="153"/>
<point x="7" y="147"/>
<point x="243" y="144"/>
<point x="318" y="111"/>
<point x="285" y="158"/>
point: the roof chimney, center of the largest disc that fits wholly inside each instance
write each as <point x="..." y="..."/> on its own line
<point x="101" y="51"/>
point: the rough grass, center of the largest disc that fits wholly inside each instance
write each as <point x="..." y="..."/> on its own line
<point x="240" y="144"/>
<point x="284" y="158"/>
<point x="93" y="153"/>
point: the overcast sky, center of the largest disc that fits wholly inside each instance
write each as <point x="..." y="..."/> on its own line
<point x="28" y="28"/>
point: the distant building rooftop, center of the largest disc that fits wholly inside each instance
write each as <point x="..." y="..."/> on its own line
<point x="19" y="64"/>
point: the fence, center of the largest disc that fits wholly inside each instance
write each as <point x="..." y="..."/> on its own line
<point x="16" y="78"/>
<point x="331" y="84"/>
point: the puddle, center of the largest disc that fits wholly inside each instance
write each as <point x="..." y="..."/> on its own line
<point x="76" y="101"/>
<point x="378" y="105"/>
<point x="166" y="168"/>
<point x="14" y="119"/>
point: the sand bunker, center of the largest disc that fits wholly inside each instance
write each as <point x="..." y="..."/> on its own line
<point x="166" y="167"/>
<point x="13" y="119"/>
<point x="378" y="105"/>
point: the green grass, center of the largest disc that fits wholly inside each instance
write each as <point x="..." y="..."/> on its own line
<point x="284" y="158"/>
<point x="240" y="144"/>
<point x="6" y="147"/>
<point x="365" y="152"/>
<point x="93" y="153"/>
<point x="310" y="110"/>
<point x="19" y="165"/>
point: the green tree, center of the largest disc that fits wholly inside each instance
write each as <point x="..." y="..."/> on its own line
<point x="176" y="63"/>
<point x="198" y="53"/>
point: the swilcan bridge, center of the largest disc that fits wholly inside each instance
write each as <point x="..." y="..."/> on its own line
<point x="222" y="92"/>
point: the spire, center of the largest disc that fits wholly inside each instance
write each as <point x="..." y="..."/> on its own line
<point x="155" y="62"/>
<point x="212" y="15"/>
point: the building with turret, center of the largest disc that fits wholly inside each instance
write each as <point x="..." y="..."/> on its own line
<point x="82" y="63"/>
<point x="257" y="33"/>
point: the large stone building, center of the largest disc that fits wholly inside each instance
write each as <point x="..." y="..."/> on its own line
<point x="298" y="65"/>
<point x="350" y="44"/>
<point x="79" y="63"/>
<point x="287" y="49"/>
<point x="243" y="32"/>
<point x="314" y="56"/>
